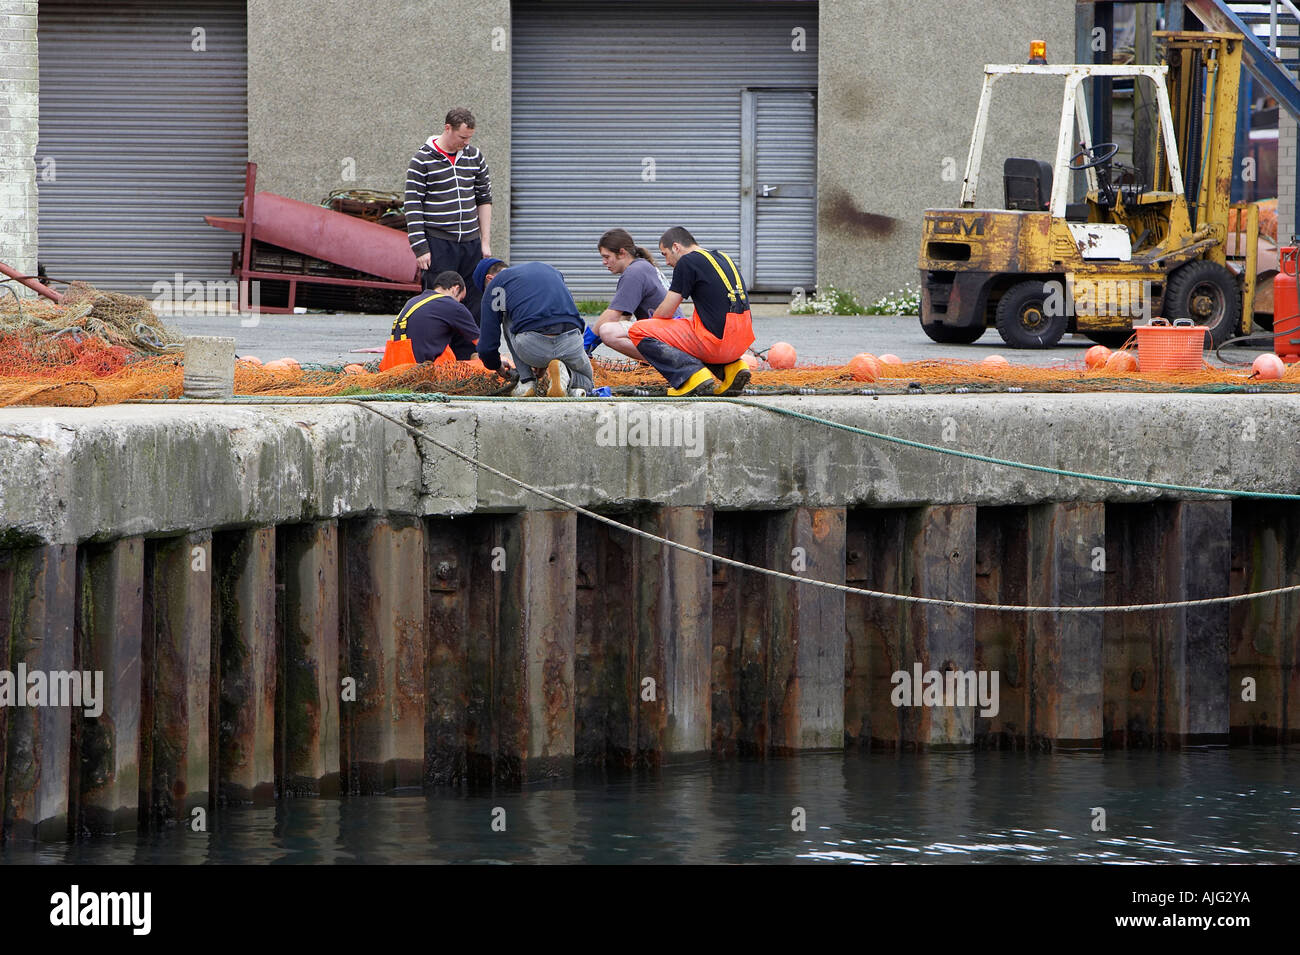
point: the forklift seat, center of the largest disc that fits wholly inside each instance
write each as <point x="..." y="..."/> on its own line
<point x="1027" y="184"/>
<point x="1028" y="187"/>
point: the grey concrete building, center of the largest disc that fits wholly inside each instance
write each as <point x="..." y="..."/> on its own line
<point x="805" y="136"/>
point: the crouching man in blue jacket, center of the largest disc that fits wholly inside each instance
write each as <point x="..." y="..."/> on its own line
<point x="530" y="306"/>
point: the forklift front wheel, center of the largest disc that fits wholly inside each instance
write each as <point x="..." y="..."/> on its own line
<point x="1026" y="319"/>
<point x="1207" y="293"/>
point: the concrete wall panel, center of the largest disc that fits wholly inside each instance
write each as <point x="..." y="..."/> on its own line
<point x="354" y="88"/>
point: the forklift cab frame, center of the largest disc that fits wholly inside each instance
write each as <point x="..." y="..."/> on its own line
<point x="1074" y="113"/>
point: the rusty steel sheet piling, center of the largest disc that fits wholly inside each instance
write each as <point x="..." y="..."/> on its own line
<point x="38" y="630"/>
<point x="875" y="540"/>
<point x="605" y="685"/>
<point x="1063" y="666"/>
<point x="468" y="566"/>
<point x="533" y="671"/>
<point x="110" y="586"/>
<point x="307" y="685"/>
<point x="1137" y="537"/>
<point x="1001" y="638"/>
<point x="674" y="616"/>
<point x="724" y="718"/>
<point x="448" y="566"/>
<point x="778" y="656"/>
<point x="1197" y="670"/>
<point x="384" y="626"/>
<point x="806" y="631"/>
<point x="244" y="624"/>
<point x="487" y="558"/>
<point x="740" y="620"/>
<point x="176" y="651"/>
<point x="940" y="562"/>
<point x="1264" y="642"/>
<point x="1157" y="665"/>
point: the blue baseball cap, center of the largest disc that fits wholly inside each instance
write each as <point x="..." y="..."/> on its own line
<point x="480" y="272"/>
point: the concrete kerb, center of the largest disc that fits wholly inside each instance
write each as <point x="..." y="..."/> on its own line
<point x="74" y="474"/>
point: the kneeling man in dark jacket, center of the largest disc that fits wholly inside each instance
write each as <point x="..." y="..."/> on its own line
<point x="530" y="306"/>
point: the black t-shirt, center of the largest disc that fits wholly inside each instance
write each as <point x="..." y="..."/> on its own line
<point x="695" y="278"/>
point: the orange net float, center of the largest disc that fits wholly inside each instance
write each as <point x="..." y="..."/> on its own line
<point x="1096" y="356"/>
<point x="864" y="367"/>
<point x="1268" y="367"/>
<point x="782" y="355"/>
<point x="1122" y="362"/>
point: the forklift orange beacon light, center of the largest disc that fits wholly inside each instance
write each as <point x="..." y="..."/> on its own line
<point x="1037" y="52"/>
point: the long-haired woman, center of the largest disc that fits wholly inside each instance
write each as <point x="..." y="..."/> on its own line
<point x="640" y="290"/>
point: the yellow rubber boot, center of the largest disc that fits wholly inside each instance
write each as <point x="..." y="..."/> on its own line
<point x="734" y="378"/>
<point x="700" y="383"/>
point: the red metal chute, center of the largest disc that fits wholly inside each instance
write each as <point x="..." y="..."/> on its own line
<point x="382" y="253"/>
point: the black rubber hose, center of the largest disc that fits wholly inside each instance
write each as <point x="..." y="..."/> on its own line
<point x="1241" y="340"/>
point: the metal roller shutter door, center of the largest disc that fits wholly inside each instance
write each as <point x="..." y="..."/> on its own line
<point x="630" y="115"/>
<point x="145" y="135"/>
<point x="785" y="227"/>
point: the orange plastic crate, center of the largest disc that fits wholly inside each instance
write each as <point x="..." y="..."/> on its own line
<point x="1170" y="347"/>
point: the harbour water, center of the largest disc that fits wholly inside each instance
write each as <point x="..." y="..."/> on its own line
<point x="1209" y="806"/>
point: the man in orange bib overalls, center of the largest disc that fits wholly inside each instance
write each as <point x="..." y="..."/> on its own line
<point x="701" y="356"/>
<point x="432" y="326"/>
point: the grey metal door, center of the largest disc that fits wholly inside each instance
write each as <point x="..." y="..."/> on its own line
<point x="628" y="115"/>
<point x="779" y="189"/>
<point x="143" y="131"/>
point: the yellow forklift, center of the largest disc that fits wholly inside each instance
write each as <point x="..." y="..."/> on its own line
<point x="1043" y="266"/>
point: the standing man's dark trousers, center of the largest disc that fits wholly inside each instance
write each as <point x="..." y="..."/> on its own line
<point x="460" y="257"/>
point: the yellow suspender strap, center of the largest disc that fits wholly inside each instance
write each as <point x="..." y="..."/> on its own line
<point x="734" y="293"/>
<point x="400" y="324"/>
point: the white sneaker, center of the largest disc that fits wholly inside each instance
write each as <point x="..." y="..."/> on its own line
<point x="577" y="392"/>
<point x="525" y="389"/>
<point x="557" y="373"/>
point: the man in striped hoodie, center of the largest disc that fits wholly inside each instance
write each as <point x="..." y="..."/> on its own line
<point x="449" y="203"/>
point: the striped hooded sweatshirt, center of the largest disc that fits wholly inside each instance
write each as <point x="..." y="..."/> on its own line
<point x="443" y="195"/>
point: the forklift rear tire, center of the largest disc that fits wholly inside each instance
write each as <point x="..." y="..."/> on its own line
<point x="1207" y="293"/>
<point x="1024" y="320"/>
<point x="952" y="335"/>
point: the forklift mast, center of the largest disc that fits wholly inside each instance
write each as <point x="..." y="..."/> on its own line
<point x="1203" y="80"/>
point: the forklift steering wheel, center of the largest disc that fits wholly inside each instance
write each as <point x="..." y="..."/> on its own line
<point x="1110" y="150"/>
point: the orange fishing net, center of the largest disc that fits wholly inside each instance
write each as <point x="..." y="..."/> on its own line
<point x="98" y="349"/>
<point x="95" y="373"/>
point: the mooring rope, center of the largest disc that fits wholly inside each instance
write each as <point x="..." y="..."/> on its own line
<point x="766" y="571"/>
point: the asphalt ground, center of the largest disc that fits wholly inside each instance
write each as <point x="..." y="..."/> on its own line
<point x="337" y="338"/>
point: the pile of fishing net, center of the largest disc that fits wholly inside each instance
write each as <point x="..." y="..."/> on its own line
<point x="89" y="336"/>
<point x="115" y="319"/>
